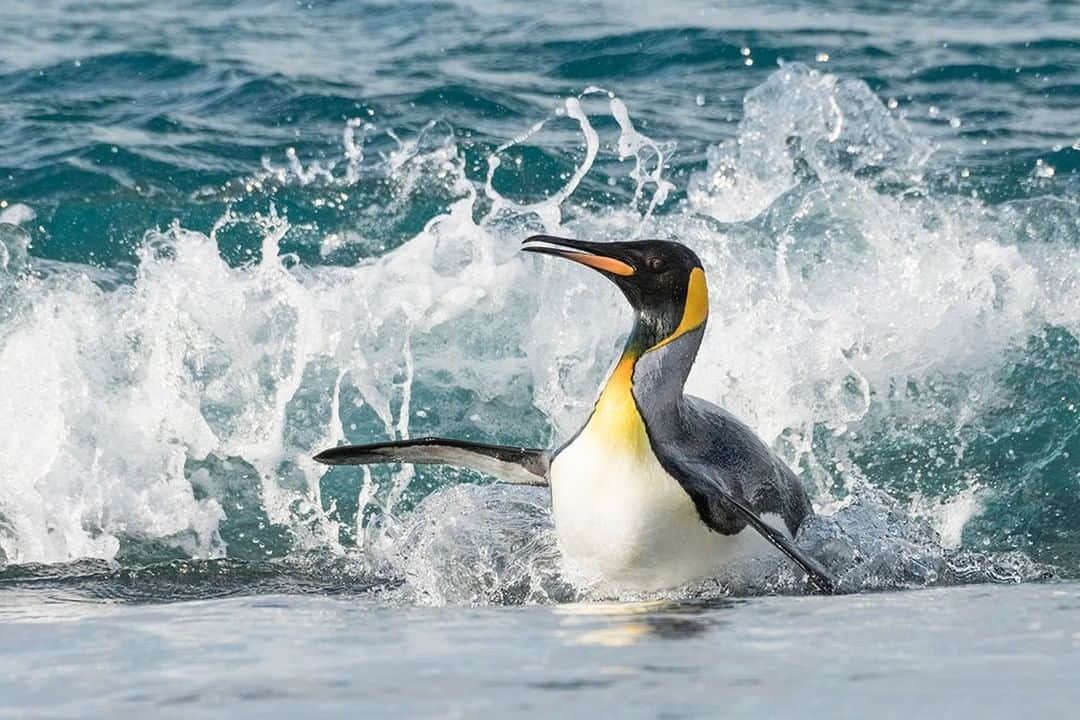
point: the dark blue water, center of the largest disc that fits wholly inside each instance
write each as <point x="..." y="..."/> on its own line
<point x="237" y="233"/>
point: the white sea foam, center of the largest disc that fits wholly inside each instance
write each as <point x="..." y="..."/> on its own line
<point x="16" y="214"/>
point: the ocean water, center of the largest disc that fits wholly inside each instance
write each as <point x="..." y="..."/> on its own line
<point x="234" y="234"/>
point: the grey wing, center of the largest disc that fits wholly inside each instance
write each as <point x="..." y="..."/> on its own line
<point x="718" y="504"/>
<point x="698" y="430"/>
<point x="733" y="478"/>
<point x="516" y="465"/>
<point x="749" y="467"/>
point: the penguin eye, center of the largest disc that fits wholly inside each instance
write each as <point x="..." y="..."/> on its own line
<point x="655" y="263"/>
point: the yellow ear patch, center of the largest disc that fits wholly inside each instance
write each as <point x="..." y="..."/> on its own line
<point x="696" y="309"/>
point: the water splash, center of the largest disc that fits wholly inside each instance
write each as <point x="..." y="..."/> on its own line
<point x="629" y="144"/>
<point x="174" y="413"/>
<point x="802" y="125"/>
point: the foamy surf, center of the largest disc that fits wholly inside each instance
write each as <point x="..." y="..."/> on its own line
<point x="172" y="412"/>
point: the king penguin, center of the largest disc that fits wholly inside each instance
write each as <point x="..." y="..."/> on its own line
<point x="658" y="488"/>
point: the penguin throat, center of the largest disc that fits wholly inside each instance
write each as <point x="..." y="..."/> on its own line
<point x="615" y="417"/>
<point x="655" y="377"/>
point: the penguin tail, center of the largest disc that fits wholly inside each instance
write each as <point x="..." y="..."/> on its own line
<point x="516" y="465"/>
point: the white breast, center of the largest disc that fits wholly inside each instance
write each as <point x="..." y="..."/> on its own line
<point x="623" y="523"/>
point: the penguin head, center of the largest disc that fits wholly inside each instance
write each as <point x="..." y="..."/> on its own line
<point x="663" y="281"/>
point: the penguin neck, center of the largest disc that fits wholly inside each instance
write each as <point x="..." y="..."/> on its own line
<point x="647" y="372"/>
<point x="653" y="369"/>
<point x="662" y="354"/>
<point x="660" y="370"/>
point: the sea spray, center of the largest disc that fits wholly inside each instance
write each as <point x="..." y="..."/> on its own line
<point x="174" y="413"/>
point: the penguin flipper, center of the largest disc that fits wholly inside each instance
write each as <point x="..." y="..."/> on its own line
<point x="700" y="483"/>
<point x="515" y="465"/>
<point x="822" y="579"/>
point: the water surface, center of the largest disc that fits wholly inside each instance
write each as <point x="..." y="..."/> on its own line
<point x="987" y="651"/>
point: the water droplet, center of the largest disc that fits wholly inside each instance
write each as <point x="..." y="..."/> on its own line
<point x="822" y="57"/>
<point x="892" y="103"/>
<point x="748" y="61"/>
<point x="1043" y="169"/>
<point x="700" y="100"/>
<point x="955" y="122"/>
<point x="933" y="111"/>
<point x="745" y="52"/>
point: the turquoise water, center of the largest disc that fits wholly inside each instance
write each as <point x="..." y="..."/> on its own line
<point x="237" y="233"/>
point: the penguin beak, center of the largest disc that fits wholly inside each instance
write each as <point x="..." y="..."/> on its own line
<point x="594" y="255"/>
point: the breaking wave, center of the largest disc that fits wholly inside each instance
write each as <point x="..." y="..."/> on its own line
<point x="882" y="329"/>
